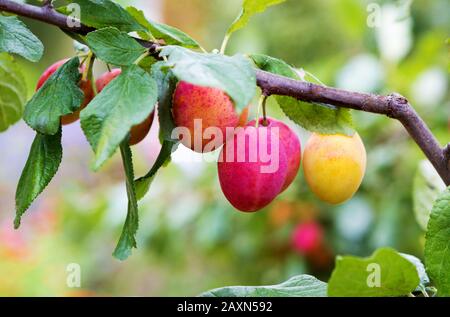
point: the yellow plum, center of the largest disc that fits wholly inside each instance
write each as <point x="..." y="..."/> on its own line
<point x="334" y="166"/>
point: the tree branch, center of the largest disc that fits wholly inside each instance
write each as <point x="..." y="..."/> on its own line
<point x="43" y="14"/>
<point x="393" y="106"/>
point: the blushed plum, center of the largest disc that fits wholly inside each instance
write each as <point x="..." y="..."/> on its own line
<point x="209" y="108"/>
<point x="249" y="179"/>
<point x="292" y="146"/>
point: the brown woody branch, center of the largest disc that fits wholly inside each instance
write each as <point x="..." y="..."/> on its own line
<point x="393" y="106"/>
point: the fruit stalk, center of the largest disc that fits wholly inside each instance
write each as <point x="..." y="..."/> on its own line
<point x="393" y="106"/>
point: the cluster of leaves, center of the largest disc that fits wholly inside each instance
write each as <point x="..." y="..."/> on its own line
<point x="148" y="81"/>
<point x="145" y="80"/>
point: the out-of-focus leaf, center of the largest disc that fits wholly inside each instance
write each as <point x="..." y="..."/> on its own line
<point x="297" y="286"/>
<point x="385" y="273"/>
<point x="437" y="244"/>
<point x="250" y="8"/>
<point x="13" y="92"/>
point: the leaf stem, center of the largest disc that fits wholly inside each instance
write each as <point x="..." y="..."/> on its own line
<point x="140" y="58"/>
<point x="224" y="43"/>
<point x="152" y="37"/>
<point x="264" y="100"/>
<point x="261" y="105"/>
<point x="89" y="61"/>
<point x="91" y="77"/>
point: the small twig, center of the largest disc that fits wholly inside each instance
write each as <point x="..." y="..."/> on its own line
<point x="48" y="4"/>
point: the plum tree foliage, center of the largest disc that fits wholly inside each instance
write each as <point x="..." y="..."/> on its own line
<point x="165" y="69"/>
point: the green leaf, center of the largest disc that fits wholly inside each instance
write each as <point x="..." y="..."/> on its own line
<point x="423" y="276"/>
<point x="234" y="75"/>
<point x="385" y="273"/>
<point x="427" y="187"/>
<point x="114" y="47"/>
<point x="125" y="102"/>
<point x="147" y="62"/>
<point x="437" y="244"/>
<point x="143" y="184"/>
<point x="16" y="38"/>
<point x="170" y="35"/>
<point x="167" y="83"/>
<point x="13" y="92"/>
<point x="166" y="86"/>
<point x="42" y="164"/>
<point x="297" y="286"/>
<point x="250" y="8"/>
<point x="127" y="239"/>
<point x="314" y="117"/>
<point x="60" y="95"/>
<point x="102" y="13"/>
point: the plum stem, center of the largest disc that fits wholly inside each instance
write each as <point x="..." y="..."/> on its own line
<point x="258" y="112"/>
<point x="224" y="43"/>
<point x="140" y="58"/>
<point x="264" y="101"/>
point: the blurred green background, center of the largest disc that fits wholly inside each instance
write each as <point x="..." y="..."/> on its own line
<point x="190" y="239"/>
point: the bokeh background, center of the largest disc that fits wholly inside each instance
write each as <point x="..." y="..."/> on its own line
<point x="190" y="239"/>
